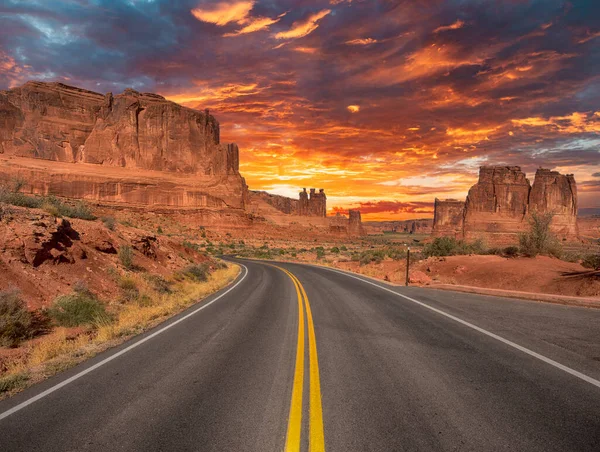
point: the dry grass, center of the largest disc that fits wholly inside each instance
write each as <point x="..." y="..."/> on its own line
<point x="62" y="348"/>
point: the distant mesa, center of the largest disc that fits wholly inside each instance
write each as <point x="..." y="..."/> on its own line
<point x="498" y="206"/>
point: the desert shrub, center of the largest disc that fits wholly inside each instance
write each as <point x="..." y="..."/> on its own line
<point x="13" y="381"/>
<point x="591" y="261"/>
<point x="539" y="239"/>
<point x="129" y="289"/>
<point x="81" y="307"/>
<point x="110" y="223"/>
<point x="79" y="210"/>
<point x="511" y="251"/>
<point x="368" y="256"/>
<point x="158" y="283"/>
<point x="441" y="246"/>
<point x="449" y="246"/>
<point x="125" y="254"/>
<point x="159" y="230"/>
<point x="343" y="248"/>
<point x="197" y="272"/>
<point x="395" y="253"/>
<point x="189" y="245"/>
<point x="16" y="321"/>
<point x="335" y="250"/>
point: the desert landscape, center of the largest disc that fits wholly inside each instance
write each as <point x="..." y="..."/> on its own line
<point x="438" y="204"/>
<point x="87" y="177"/>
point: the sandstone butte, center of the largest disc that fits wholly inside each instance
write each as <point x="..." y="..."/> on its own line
<point x="137" y="150"/>
<point x="499" y="205"/>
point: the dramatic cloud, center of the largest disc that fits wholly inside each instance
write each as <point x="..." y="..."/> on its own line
<point x="455" y="26"/>
<point x="303" y="27"/>
<point x="384" y="104"/>
<point x="361" y="41"/>
<point x="222" y="13"/>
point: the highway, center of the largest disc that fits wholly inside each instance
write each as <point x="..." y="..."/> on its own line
<point x="295" y="357"/>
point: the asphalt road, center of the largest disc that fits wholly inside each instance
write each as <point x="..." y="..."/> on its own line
<point x="358" y="368"/>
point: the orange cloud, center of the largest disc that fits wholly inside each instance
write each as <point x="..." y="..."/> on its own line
<point x="576" y="122"/>
<point x="361" y="41"/>
<point x="256" y="24"/>
<point x="303" y="28"/>
<point x="353" y="108"/>
<point x="222" y="13"/>
<point x="455" y="26"/>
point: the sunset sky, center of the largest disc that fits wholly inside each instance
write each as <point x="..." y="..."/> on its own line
<point x="385" y="104"/>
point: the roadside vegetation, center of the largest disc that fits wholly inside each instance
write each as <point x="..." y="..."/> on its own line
<point x="84" y="325"/>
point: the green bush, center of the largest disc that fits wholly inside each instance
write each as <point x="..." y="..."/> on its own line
<point x="81" y="307"/>
<point x="449" y="246"/>
<point x="335" y="250"/>
<point x="511" y="251"/>
<point x="320" y="252"/>
<point x="591" y="261"/>
<point x="16" y="322"/>
<point x="343" y="248"/>
<point x="539" y="239"/>
<point x="125" y="254"/>
<point x="110" y="223"/>
<point x="368" y="256"/>
<point x="197" y="272"/>
<point x="13" y="381"/>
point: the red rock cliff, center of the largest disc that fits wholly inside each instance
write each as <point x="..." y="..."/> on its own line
<point x="132" y="130"/>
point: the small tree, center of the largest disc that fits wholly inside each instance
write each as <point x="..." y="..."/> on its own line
<point x="126" y="257"/>
<point x="539" y="239"/>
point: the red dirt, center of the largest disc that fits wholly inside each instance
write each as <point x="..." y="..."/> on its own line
<point x="538" y="275"/>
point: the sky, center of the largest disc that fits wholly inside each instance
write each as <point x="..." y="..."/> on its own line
<point x="384" y="104"/>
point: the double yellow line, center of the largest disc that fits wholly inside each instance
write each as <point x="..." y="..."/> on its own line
<point x="316" y="436"/>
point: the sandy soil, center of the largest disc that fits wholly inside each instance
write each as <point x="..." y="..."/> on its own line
<point x="538" y="275"/>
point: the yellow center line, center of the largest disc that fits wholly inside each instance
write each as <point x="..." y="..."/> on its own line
<point x="292" y="443"/>
<point x="316" y="434"/>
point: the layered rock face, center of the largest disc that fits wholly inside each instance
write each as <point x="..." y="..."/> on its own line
<point x="498" y="206"/>
<point x="355" y="223"/>
<point x="448" y="217"/>
<point x="130" y="131"/>
<point x="418" y="226"/>
<point x="314" y="205"/>
<point x="556" y="193"/>
<point x="346" y="225"/>
<point x="498" y="202"/>
<point x="283" y="204"/>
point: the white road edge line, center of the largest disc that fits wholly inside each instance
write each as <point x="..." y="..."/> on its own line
<point x="543" y="358"/>
<point x="49" y="391"/>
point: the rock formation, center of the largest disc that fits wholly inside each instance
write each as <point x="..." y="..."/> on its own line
<point x="131" y="131"/>
<point x="346" y="225"/>
<point x="556" y="193"/>
<point x="314" y="205"/>
<point x="283" y="204"/>
<point x="448" y="217"/>
<point x="498" y="206"/>
<point x="355" y="223"/>
<point x="417" y="226"/>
